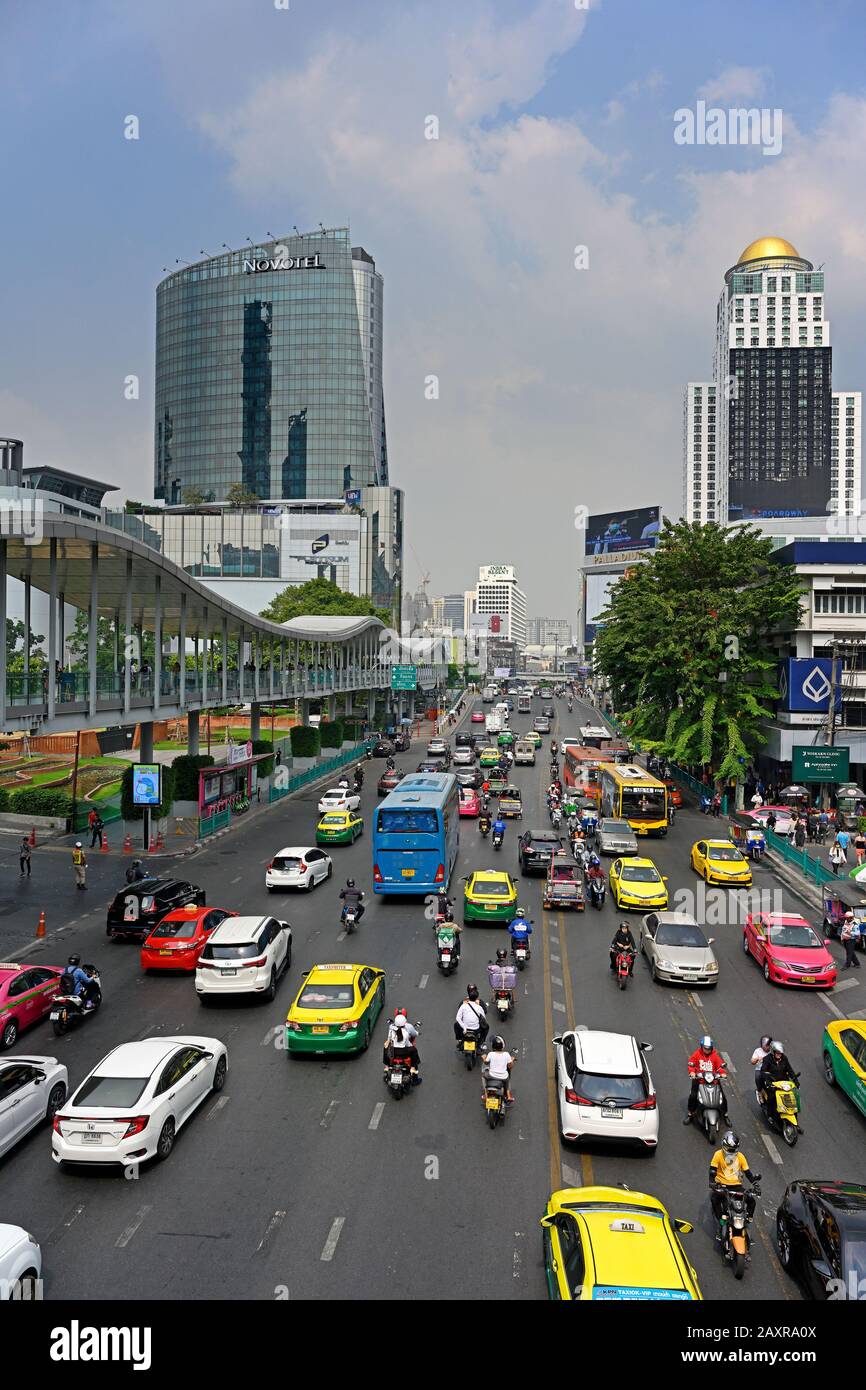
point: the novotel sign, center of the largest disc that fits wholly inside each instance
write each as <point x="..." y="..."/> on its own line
<point x="281" y="260"/>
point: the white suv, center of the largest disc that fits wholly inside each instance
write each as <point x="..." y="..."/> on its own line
<point x="244" y="955"/>
<point x="604" y="1089"/>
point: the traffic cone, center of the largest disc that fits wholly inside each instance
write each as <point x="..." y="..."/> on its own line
<point x="40" y="930"/>
<point x="33" y="835"/>
<point x="104" y="846"/>
<point x="152" y="845"/>
<point x="127" y="843"/>
<point x="160" y="842"/>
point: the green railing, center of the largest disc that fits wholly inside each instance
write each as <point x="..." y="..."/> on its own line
<point x="217" y="820"/>
<point x="108" y="812"/>
<point x="297" y="780"/>
<point x="812" y="868"/>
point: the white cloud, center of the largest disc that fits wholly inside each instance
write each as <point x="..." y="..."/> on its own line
<point x="735" y="83"/>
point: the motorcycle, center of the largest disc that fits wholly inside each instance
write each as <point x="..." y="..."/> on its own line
<point x="498" y="837"/>
<point x="349" y="917"/>
<point x="781" y="1107"/>
<point x="69" y="1009"/>
<point x="709" y="1116"/>
<point x="555" y="817"/>
<point x="706" y="805"/>
<point x="504" y="1001"/>
<point x="399" y="1079"/>
<point x="470" y="1045"/>
<point x="447" y="955"/>
<point x="369" y="754"/>
<point x="624" y="963"/>
<point x="520" y="953"/>
<point x="597" y="890"/>
<point x="734" y="1227"/>
<point x="494" y="1103"/>
<point x="484" y="827"/>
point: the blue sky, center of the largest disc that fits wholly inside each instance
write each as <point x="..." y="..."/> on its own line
<point x="558" y="388"/>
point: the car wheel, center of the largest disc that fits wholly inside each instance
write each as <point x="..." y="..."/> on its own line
<point x="745" y="943"/>
<point x="203" y="1000"/>
<point x="783" y="1241"/>
<point x="767" y="971"/>
<point x="330" y="869"/>
<point x="367" y="1034"/>
<point x="56" y="1097"/>
<point x="829" y="1074"/>
<point x="288" y="961"/>
<point x="10" y="1032"/>
<point x="310" y="882"/>
<point x="165" y="1142"/>
<point x="219" y="1076"/>
<point x="270" y="888"/>
<point x="271" y="991"/>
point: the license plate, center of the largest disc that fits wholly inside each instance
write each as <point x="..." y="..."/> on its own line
<point x="489" y="907"/>
<point x="808" y="979"/>
<point x="611" y="1112"/>
<point x="165" y="953"/>
<point x="446" y="957"/>
<point x="229" y="972"/>
<point x="321" y="1030"/>
<point x="55" y="1013"/>
<point x="690" y="977"/>
<point x="521" y="955"/>
<point x="408" y="873"/>
<point x="492" y="1102"/>
<point x="396" y="1078"/>
<point x="91" y="1138"/>
<point x="468" y="1046"/>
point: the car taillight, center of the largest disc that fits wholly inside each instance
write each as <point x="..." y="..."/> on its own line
<point x="573" y="1098"/>
<point x="253" y="964"/>
<point x="440" y="874"/>
<point x="648" y="1104"/>
<point x="271" y="865"/>
<point x="135" y="1125"/>
<point x="292" y="1027"/>
<point x="377" y="876"/>
<point x="352" y="1023"/>
<point x="55" y="1123"/>
<point x="302" y="868"/>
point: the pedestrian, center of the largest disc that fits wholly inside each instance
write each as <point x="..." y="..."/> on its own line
<point x="849" y="936"/>
<point x="97" y="826"/>
<point x="757" y="800"/>
<point x="79" y="865"/>
<point x="771" y="820"/>
<point x="843" y="840"/>
<point x="24" y="853"/>
<point x="716" y="806"/>
<point x="823" y="826"/>
<point x="799" y="834"/>
<point x="837" y="857"/>
<point x="860" y="846"/>
<point x="91" y="818"/>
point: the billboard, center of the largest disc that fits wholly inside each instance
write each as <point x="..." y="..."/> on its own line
<point x="598" y="586"/>
<point x="805" y="684"/>
<point x="145" y="784"/>
<point x="323" y="546"/>
<point x="815" y="764"/>
<point x="632" y="528"/>
<point x="491" y="574"/>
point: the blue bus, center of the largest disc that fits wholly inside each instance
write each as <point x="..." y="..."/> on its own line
<point x="416" y="834"/>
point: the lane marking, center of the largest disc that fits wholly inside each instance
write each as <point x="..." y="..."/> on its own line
<point x="126" y="1236"/>
<point x="422" y="983"/>
<point x="558" y="1006"/>
<point x="238" y="879"/>
<point x="217" y="1106"/>
<point x="570" y="1176"/>
<point x="556" y="980"/>
<point x="273" y="1226"/>
<point x="333" y="1236"/>
<point x="556" y="958"/>
<point x="729" y="1064"/>
<point x="342" y="936"/>
<point x="271" y="1034"/>
<point x="60" y="1231"/>
<point x="825" y="999"/>
<point x="837" y="989"/>
<point x="325" y="1121"/>
<point x="771" y="1149"/>
<point x="585" y="1158"/>
<point x="378" y="1112"/>
<point x="552" y="1107"/>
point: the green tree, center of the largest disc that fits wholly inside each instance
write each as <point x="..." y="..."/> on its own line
<point x="685" y="643"/>
<point x="238" y="496"/>
<point x="321" y="597"/>
<point x="77" y="644"/>
<point x="133" y="508"/>
<point x="193" y="497"/>
<point x="15" y="640"/>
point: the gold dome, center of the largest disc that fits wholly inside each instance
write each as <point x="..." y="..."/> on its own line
<point x="769" y="248"/>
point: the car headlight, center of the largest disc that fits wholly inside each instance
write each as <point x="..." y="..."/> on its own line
<point x="665" y="965"/>
<point x="713" y="969"/>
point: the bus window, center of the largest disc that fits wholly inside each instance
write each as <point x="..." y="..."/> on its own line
<point x="406" y="821"/>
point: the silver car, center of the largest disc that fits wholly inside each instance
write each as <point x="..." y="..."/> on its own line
<point x="677" y="949"/>
<point x="616" y="837"/>
<point x="464" y="757"/>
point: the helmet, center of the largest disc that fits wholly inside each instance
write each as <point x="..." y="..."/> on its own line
<point x="400" y="1014"/>
<point x="706" y="1043"/>
<point x="472" y="992"/>
<point x="74" y="960"/>
<point x="501" y="956"/>
<point x="350" y="883"/>
<point x="594" y="860"/>
<point x="730" y="1141"/>
<point x="136" y="863"/>
<point x="78" y="844"/>
<point x="498" y="1043"/>
<point x="776" y="1046"/>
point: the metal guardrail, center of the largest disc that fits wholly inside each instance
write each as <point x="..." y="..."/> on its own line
<point x="312" y="774"/>
<point x="218" y="820"/>
<point x="810" y="867"/>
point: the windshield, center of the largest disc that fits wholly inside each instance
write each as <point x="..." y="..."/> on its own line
<point x="802" y="937"/>
<point x="615" y="827"/>
<point x="680" y="934"/>
<point x="408" y="821"/>
<point x="185" y="928"/>
<point x="596" y="1089"/>
<point x="243" y="950"/>
<point x="643" y="801"/>
<point x="640" y="873"/>
<point x="285" y="863"/>
<point x="336" y="794"/>
<point x="334" y="820"/>
<point x="315" y="996"/>
<point x="110" y="1091"/>
<point x="725" y="852"/>
<point x="492" y="888"/>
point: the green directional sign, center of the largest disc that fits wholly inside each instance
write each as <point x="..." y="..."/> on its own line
<point x="404" y="677"/>
<point x="815" y="764"/>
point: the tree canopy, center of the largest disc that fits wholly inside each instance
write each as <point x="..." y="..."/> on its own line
<point x="685" y="642"/>
<point x="321" y="597"/>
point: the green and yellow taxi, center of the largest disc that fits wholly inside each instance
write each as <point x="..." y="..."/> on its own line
<point x="720" y="862"/>
<point x="636" y="882"/>
<point x="489" y="757"/>
<point x="339" y="828"/>
<point x="490" y="895"/>
<point x="336" y="1009"/>
<point x="532" y="736"/>
<point x="602" y="1244"/>
<point x="844" y="1049"/>
<point x="506" y="739"/>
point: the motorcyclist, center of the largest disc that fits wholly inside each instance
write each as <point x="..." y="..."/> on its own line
<point x="728" y="1167"/>
<point x="350" y="896"/>
<point x="389" y="762"/>
<point x="135" y="873"/>
<point x="444" y="904"/>
<point x="501" y="974"/>
<point x="623" y="941"/>
<point x="484" y="823"/>
<point x="471" y="1016"/>
<point x="758" y="1057"/>
<point x="775" y="1067"/>
<point x="705" y="1059"/>
<point x="520" y="930"/>
<point x="399" y="1048"/>
<point x="555" y="816"/>
<point x="82" y="983"/>
<point x="447" y="924"/>
<point x="401" y="1021"/>
<point x="359" y="776"/>
<point x="593" y="868"/>
<point x="496" y="1067"/>
<point x="498" y="829"/>
<point x="343" y="783"/>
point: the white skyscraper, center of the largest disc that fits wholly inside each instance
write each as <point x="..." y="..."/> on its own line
<point x="497" y="594"/>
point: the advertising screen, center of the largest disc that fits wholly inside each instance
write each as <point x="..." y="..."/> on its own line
<point x="145" y="784"/>
<point x="632" y="528"/>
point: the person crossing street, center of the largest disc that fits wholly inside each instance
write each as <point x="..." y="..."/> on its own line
<point x="24" y="853"/>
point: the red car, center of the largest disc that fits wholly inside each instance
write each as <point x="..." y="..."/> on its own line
<point x="469" y="803"/>
<point x="789" y="951"/>
<point x="675" y="796"/>
<point x="178" y="940"/>
<point x="477" y="716"/>
<point x="26" y="993"/>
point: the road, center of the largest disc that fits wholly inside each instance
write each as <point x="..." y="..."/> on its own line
<point x="305" y="1180"/>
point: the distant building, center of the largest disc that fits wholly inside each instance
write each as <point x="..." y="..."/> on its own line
<point x="543" y="632"/>
<point x="498" y="600"/>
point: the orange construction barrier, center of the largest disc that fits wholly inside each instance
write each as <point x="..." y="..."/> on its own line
<point x="127" y="843"/>
<point x="33" y="835"/>
<point x="40" y="930"/>
<point x="160" y="842"/>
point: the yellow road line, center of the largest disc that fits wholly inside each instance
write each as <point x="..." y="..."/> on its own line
<point x="552" y="1117"/>
<point x="585" y="1158"/>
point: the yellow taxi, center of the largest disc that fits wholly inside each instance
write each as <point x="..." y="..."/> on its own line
<point x="339" y="828"/>
<point x="604" y="1244"/>
<point x="489" y="757"/>
<point x="636" y="882"/>
<point x="532" y="736"/>
<point x="718" y="861"/>
<point x="489" y="896"/>
<point x="335" y="1009"/>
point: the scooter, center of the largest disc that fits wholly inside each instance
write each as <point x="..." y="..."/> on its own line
<point x="494" y="1103"/>
<point x="734" y="1227"/>
<point x="781" y="1108"/>
<point x="597" y="890"/>
<point x="706" y="805"/>
<point x="69" y="1009"/>
<point x="624" y="963"/>
<point x="447" y="954"/>
<point x="520" y="953"/>
<point x="504" y="1001"/>
<point x="498" y="837"/>
<point x="399" y="1079"/>
<point x="484" y="827"/>
<point x="470" y="1045"/>
<point x="709" y="1116"/>
<point x="349" y="917"/>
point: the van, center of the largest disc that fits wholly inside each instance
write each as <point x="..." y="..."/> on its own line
<point x="524" y="752"/>
<point x="493" y="724"/>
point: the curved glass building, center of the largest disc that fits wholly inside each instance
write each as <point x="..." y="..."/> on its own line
<point x="269" y="372"/>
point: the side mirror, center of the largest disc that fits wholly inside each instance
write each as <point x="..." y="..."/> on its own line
<point x="39" y="1078"/>
<point x="646" y="1047"/>
<point x="685" y="1228"/>
<point x="556" y="1039"/>
<point x="710" y="940"/>
<point x="547" y="1221"/>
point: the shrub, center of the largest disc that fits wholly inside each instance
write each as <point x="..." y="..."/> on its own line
<point x="185" y="768"/>
<point x="353" y="730"/>
<point x="4" y="799"/>
<point x="41" y="801"/>
<point x="130" y="811"/>
<point x="266" y="767"/>
<point x="331" y="735"/>
<point x="306" y="742"/>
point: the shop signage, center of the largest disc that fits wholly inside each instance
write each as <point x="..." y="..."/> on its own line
<point x="281" y="260"/>
<point x="814" y="764"/>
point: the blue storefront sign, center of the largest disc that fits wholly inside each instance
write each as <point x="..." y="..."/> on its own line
<point x="805" y="684"/>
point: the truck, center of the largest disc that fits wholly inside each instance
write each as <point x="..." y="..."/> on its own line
<point x="524" y="702"/>
<point x="489" y="694"/>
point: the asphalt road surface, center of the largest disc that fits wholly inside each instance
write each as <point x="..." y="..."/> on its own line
<point x="303" y="1179"/>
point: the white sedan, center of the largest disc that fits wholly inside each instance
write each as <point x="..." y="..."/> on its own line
<point x="20" y="1264"/>
<point x="298" y="867"/>
<point x="133" y="1103"/>
<point x="32" y="1089"/>
<point x="339" y="799"/>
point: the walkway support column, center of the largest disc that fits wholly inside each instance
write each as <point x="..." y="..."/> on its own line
<point x="3" y="633"/>
<point x="181" y="651"/>
<point x="145" y="742"/>
<point x="93" y="631"/>
<point x="157" y="643"/>
<point x="225" y="672"/>
<point x="128" y="637"/>
<point x="52" y="625"/>
<point x="192" y="738"/>
<point x="26" y="632"/>
<point x="255" y="721"/>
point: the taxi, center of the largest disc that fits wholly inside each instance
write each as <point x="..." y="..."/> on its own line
<point x="477" y="716"/>
<point x="335" y="1009"/>
<point x="26" y="994"/>
<point x="506" y="739"/>
<point x="339" y="828"/>
<point x="178" y="940"/>
<point x="844" y="1050"/>
<point x="789" y="950"/>
<point x="489" y="757"/>
<point x="469" y="803"/>
<point x="602" y="1244"/>
<point x="490" y="895"/>
<point x="532" y="736"/>
<point x="636" y="882"/>
<point x="720" y="862"/>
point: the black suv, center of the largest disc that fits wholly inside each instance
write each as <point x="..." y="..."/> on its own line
<point x="536" y="849"/>
<point x="465" y="740"/>
<point x="138" y="907"/>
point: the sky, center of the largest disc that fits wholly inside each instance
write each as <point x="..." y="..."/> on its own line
<point x="559" y="372"/>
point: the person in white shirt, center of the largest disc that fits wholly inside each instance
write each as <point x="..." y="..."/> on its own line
<point x="401" y="1021"/>
<point x="757" y="800"/>
<point x="471" y="1016"/>
<point x="496" y="1066"/>
<point x="761" y="1052"/>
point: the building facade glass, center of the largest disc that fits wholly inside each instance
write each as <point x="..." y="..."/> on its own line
<point x="269" y="372"/>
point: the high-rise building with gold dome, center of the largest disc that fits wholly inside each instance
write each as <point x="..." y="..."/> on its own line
<point x="768" y="436"/>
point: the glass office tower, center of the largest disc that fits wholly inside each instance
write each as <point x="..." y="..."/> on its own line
<point x="269" y="372"/>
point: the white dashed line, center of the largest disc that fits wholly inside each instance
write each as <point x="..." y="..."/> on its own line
<point x="61" y="1230"/>
<point x="554" y="939"/>
<point x="556" y="980"/>
<point x="378" y="1112"/>
<point x="342" y="936"/>
<point x="333" y="1236"/>
<point x="560" y="1007"/>
<point x="771" y="1149"/>
<point x="274" y="1225"/>
<point x="570" y="1177"/>
<point x="825" y="999"/>
<point x="325" y="1121"/>
<point x="223" y="1100"/>
<point x="238" y="879"/>
<point x="422" y="983"/>
<point x="731" y="1068"/>
<point x="556" y="958"/>
<point x="126" y="1236"/>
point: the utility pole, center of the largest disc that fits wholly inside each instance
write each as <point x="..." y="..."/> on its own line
<point x="831" y="720"/>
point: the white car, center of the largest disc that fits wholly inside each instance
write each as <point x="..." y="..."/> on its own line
<point x="133" y="1103"/>
<point x="244" y="955"/>
<point x="677" y="949"/>
<point x="604" y="1089"/>
<point x="31" y="1090"/>
<point x="298" y="867"/>
<point x="339" y="799"/>
<point x="20" y="1263"/>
